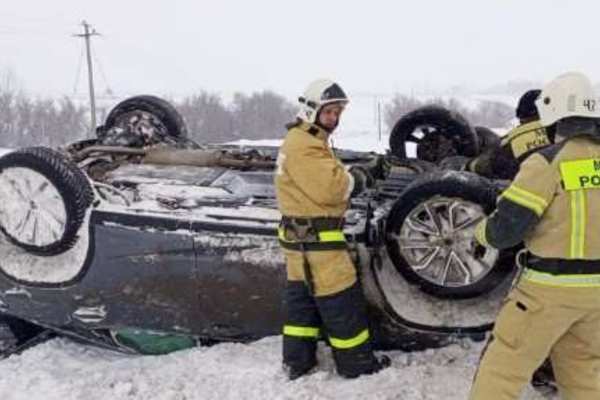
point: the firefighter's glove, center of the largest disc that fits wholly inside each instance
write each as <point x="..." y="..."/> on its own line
<point x="362" y="179"/>
<point x="379" y="168"/>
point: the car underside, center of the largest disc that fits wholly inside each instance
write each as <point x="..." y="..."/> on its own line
<point x="141" y="233"/>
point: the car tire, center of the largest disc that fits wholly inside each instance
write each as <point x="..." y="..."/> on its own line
<point x="143" y="120"/>
<point x="158" y="107"/>
<point x="436" y="132"/>
<point x="487" y="138"/>
<point x="45" y="200"/>
<point x="429" y="235"/>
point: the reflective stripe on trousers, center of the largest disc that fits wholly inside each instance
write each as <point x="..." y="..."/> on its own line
<point x="309" y="332"/>
<point x="301" y="331"/>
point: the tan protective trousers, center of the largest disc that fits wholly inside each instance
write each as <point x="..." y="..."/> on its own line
<point x="332" y="270"/>
<point x="537" y="321"/>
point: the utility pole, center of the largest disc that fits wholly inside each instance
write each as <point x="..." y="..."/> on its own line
<point x="88" y="31"/>
<point x="379" y="118"/>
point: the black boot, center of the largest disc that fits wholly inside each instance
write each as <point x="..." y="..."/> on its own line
<point x="352" y="364"/>
<point x="296" y="371"/>
<point x="382" y="363"/>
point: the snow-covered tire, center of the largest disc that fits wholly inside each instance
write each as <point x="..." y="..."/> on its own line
<point x="436" y="132"/>
<point x="487" y="138"/>
<point x="148" y="118"/>
<point x="44" y="202"/>
<point x="430" y="235"/>
<point x="160" y="108"/>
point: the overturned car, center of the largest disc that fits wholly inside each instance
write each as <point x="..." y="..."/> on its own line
<point x="143" y="241"/>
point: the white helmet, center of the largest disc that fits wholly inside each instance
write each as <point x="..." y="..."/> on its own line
<point x="568" y="95"/>
<point x="318" y="94"/>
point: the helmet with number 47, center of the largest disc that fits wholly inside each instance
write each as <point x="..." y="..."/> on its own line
<point x="569" y="95"/>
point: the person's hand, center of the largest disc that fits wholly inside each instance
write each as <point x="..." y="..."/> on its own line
<point x="378" y="167"/>
<point x="362" y="179"/>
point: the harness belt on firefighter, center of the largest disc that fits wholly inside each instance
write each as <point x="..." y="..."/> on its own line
<point x="559" y="266"/>
<point x="576" y="280"/>
<point x="328" y="240"/>
<point x="311" y="234"/>
<point x="561" y="272"/>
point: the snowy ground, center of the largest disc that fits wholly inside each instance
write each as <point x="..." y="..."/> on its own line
<point x="63" y="370"/>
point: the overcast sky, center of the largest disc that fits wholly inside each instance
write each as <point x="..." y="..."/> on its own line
<point x="177" y="47"/>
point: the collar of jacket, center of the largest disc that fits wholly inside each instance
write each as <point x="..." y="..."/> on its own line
<point x="519" y="130"/>
<point x="314" y="130"/>
<point x="575" y="126"/>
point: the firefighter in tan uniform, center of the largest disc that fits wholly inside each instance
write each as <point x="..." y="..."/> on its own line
<point x="322" y="297"/>
<point x="553" y="205"/>
<point x="503" y="162"/>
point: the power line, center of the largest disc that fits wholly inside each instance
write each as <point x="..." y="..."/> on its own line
<point x="78" y="74"/>
<point x="48" y="19"/>
<point x="103" y="75"/>
<point x="27" y="30"/>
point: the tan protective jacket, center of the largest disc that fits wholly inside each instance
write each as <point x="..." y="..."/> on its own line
<point x="310" y="181"/>
<point x="564" y="193"/>
<point x="554" y="200"/>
